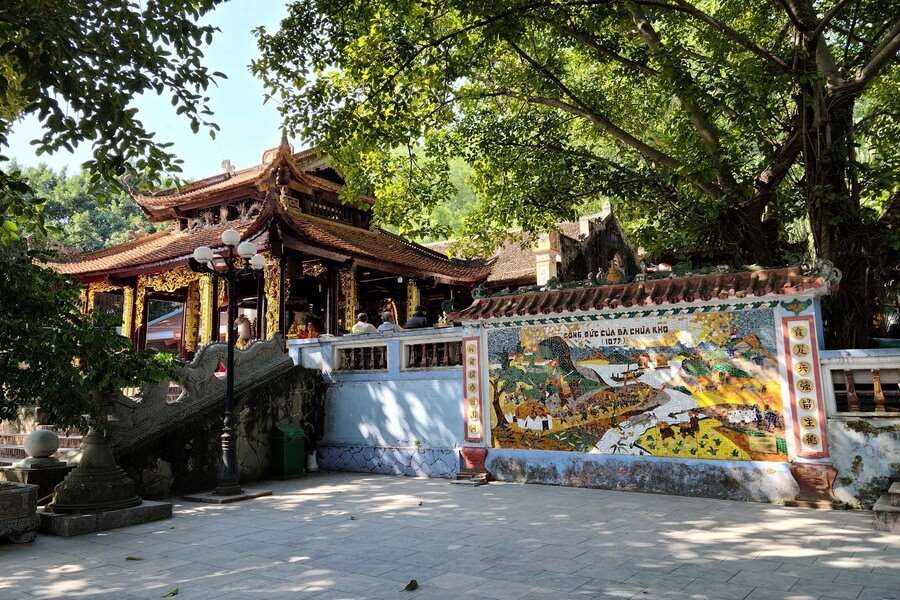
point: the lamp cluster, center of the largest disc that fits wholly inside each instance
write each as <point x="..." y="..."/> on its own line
<point x="231" y="238"/>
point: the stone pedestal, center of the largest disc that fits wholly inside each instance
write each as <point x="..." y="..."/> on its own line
<point x="473" y="457"/>
<point x="472" y="468"/>
<point x="97" y="484"/>
<point x="67" y="525"/>
<point x="18" y="521"/>
<point x="214" y="498"/>
<point x="45" y="478"/>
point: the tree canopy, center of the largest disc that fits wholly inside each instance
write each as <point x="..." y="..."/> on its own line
<point x="74" y="217"/>
<point x="54" y="355"/>
<point x="739" y="130"/>
<point x="78" y="65"/>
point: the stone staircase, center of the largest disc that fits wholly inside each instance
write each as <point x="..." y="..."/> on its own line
<point x="196" y="386"/>
<point x="12" y="448"/>
<point x="149" y="412"/>
<point x="887" y="510"/>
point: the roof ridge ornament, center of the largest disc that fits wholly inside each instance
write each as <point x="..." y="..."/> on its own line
<point x="284" y="148"/>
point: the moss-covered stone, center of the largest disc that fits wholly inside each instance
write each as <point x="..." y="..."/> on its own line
<point x="866" y="428"/>
<point x="190" y="451"/>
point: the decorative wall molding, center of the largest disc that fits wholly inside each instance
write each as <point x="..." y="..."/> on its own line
<point x="629" y="314"/>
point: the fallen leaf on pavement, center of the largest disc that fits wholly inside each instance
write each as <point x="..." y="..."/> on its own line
<point x="412" y="585"/>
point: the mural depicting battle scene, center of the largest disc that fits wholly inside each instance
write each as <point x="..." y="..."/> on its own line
<point x="690" y="385"/>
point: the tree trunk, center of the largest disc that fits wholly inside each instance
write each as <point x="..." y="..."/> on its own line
<point x="746" y="236"/>
<point x="839" y="233"/>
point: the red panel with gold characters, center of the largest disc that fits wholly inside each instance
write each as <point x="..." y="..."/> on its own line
<point x="472" y="389"/>
<point x="805" y="386"/>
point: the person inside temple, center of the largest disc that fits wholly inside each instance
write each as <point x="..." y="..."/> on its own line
<point x="304" y="326"/>
<point x="387" y="323"/>
<point x="418" y="320"/>
<point x="362" y="325"/>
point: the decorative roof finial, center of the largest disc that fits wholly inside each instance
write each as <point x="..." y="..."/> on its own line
<point x="283" y="147"/>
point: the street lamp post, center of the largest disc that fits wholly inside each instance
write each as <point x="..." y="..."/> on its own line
<point x="228" y="268"/>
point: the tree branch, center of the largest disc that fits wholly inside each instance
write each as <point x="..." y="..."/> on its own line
<point x="684" y="88"/>
<point x="601" y="121"/>
<point x="826" y="19"/>
<point x="735" y="36"/>
<point x="591" y="41"/>
<point x="771" y="176"/>
<point x="885" y="53"/>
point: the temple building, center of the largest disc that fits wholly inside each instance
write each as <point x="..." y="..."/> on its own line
<point x="325" y="261"/>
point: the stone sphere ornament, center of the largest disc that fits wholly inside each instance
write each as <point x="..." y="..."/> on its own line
<point x="40" y="445"/>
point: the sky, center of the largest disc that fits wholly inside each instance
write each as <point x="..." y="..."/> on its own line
<point x="247" y="126"/>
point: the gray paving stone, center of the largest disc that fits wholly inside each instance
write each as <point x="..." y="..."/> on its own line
<point x="771" y="581"/>
<point x="300" y="543"/>
<point x="877" y="594"/>
<point x="837" y="590"/>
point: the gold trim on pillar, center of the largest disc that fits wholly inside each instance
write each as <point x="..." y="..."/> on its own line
<point x="205" y="291"/>
<point x="127" y="310"/>
<point x="272" y="288"/>
<point x="98" y="287"/>
<point x="413" y="297"/>
<point x="348" y="291"/>
<point x="191" y="316"/>
<point x="168" y="281"/>
<point x="140" y="297"/>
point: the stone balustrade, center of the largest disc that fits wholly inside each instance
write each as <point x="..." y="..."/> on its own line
<point x="862" y="397"/>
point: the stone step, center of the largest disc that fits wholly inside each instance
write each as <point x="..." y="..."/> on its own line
<point x="473" y="473"/>
<point x="887" y="515"/>
<point x="894" y="493"/>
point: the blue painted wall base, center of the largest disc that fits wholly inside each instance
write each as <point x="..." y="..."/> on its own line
<point x="727" y="480"/>
<point x="413" y="462"/>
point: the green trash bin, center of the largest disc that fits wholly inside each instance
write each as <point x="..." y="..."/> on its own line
<point x="288" y="451"/>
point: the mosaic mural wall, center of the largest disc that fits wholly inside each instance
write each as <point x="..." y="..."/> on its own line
<point x="702" y="385"/>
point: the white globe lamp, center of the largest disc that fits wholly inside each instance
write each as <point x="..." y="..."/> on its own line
<point x="246" y="249"/>
<point x="203" y="254"/>
<point x="231" y="237"/>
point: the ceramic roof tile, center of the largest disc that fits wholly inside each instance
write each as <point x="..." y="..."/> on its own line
<point x="383" y="246"/>
<point x="155" y="248"/>
<point x="745" y="284"/>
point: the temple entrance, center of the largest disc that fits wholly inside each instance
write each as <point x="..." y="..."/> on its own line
<point x="250" y="319"/>
<point x="310" y="298"/>
<point x="165" y="324"/>
<point x="378" y="291"/>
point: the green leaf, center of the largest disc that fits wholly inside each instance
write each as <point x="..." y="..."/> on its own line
<point x="411" y="586"/>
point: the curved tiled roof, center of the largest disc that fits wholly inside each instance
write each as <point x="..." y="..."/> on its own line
<point x="218" y="183"/>
<point x="382" y="246"/>
<point x="153" y="249"/>
<point x="376" y="245"/>
<point x="692" y="288"/>
<point x="198" y="192"/>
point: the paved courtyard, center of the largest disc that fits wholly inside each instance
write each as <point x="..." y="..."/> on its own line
<point x="351" y="536"/>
